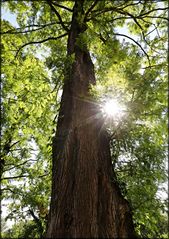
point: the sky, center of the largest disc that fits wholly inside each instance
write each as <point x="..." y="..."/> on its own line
<point x="6" y="15"/>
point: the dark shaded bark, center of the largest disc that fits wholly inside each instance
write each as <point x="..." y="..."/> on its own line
<point x="86" y="201"/>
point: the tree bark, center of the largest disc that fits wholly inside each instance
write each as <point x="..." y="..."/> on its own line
<point x="86" y="201"/>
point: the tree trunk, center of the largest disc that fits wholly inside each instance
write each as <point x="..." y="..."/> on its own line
<point x="85" y="201"/>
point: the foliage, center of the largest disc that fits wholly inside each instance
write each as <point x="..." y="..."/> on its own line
<point x="28" y="113"/>
<point x="130" y="67"/>
<point x="23" y="230"/>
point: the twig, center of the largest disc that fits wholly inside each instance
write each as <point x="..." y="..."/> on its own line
<point x="16" y="166"/>
<point x="14" y="31"/>
<point x="132" y="4"/>
<point x="58" y="15"/>
<point x="89" y="10"/>
<point x="19" y="176"/>
<point x="159" y="17"/>
<point x="23" y="176"/>
<point x="38" y="42"/>
<point x="123" y="35"/>
<point x="61" y="6"/>
<point x="156" y="9"/>
<point x="8" y="189"/>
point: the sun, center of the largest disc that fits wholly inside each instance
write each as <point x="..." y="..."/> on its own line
<point x="113" y="109"/>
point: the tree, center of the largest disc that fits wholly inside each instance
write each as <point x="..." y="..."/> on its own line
<point x="86" y="200"/>
<point x="89" y="202"/>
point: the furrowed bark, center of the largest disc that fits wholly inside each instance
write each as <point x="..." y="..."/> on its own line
<point x="86" y="201"/>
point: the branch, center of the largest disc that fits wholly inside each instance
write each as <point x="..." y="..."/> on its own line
<point x="102" y="38"/>
<point x="133" y="17"/>
<point x="37" y="29"/>
<point x="23" y="176"/>
<point x="37" y="221"/>
<point x="34" y="216"/>
<point x="118" y="34"/>
<point x="58" y="15"/>
<point x="14" y="143"/>
<point x="18" y="165"/>
<point x="155" y="27"/>
<point x="6" y="148"/>
<point x="8" y="189"/>
<point x="164" y="18"/>
<point x="157" y="65"/>
<point x="61" y="6"/>
<point x="156" y="9"/>
<point x="119" y="10"/>
<point x="132" y="4"/>
<point x="89" y="10"/>
<point x="118" y="18"/>
<point x="148" y="44"/>
<point x="19" y="176"/>
<point x="39" y="42"/>
<point x="100" y="11"/>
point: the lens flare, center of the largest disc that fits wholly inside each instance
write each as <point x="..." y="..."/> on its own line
<point x="113" y="109"/>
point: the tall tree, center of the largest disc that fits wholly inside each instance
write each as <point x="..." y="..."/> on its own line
<point x="86" y="200"/>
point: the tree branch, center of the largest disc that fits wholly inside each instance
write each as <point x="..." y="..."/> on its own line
<point x="8" y="189"/>
<point x="164" y="18"/>
<point x="18" y="165"/>
<point x="58" y="15"/>
<point x="155" y="27"/>
<point x="119" y="10"/>
<point x="133" y="17"/>
<point x="19" y="176"/>
<point x="23" y="176"/>
<point x="123" y="35"/>
<point x="11" y="31"/>
<point x="156" y="9"/>
<point x="14" y="143"/>
<point x="100" y="11"/>
<point x="37" y="221"/>
<point x="132" y="4"/>
<point x="39" y="42"/>
<point x="6" y="148"/>
<point x="90" y="9"/>
<point x="157" y="65"/>
<point x="61" y="6"/>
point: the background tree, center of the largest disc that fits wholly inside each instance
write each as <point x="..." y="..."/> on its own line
<point x="138" y="150"/>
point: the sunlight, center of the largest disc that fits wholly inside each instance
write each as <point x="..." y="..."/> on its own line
<point x="113" y="109"/>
